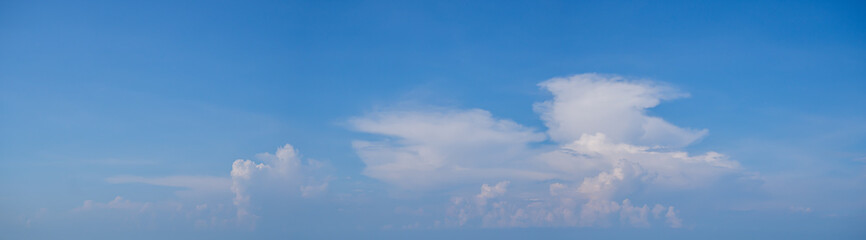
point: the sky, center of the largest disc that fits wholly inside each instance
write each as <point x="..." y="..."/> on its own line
<point x="432" y="119"/>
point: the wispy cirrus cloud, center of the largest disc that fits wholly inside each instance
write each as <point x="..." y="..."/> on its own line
<point x="192" y="183"/>
<point x="425" y="149"/>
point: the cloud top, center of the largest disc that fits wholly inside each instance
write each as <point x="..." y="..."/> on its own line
<point x="593" y="103"/>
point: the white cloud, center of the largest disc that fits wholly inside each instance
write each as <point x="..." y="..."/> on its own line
<point x="427" y="148"/>
<point x="672" y="219"/>
<point x="281" y="174"/>
<point x="592" y="103"/>
<point x="622" y="162"/>
<point x="117" y="203"/>
<point x="596" y="212"/>
<point x="493" y="207"/>
<point x="488" y="192"/>
<point x="606" y="146"/>
<point x="281" y="171"/>
<point x="633" y="215"/>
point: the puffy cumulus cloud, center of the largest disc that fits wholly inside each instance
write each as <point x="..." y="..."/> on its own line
<point x="218" y="202"/>
<point x="280" y="172"/>
<point x="488" y="192"/>
<point x="210" y="202"/>
<point x="605" y="149"/>
<point x="593" y="103"/>
<point x="425" y="148"/>
<point x="672" y="219"/>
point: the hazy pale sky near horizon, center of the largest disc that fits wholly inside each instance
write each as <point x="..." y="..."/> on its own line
<point x="432" y="119"/>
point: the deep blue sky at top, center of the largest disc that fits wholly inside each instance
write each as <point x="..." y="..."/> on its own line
<point x="92" y="89"/>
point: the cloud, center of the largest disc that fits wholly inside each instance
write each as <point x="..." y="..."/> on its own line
<point x="282" y="171"/>
<point x="204" y="184"/>
<point x="117" y="203"/>
<point x="430" y="148"/>
<point x="624" y="162"/>
<point x="672" y="219"/>
<point x="633" y="215"/>
<point x="593" y="103"/>
<point x="204" y="200"/>
<point x="493" y="207"/>
<point x="488" y="192"/>
<point x="593" y="166"/>
<point x="604" y="147"/>
<point x="596" y="121"/>
<point x="312" y="190"/>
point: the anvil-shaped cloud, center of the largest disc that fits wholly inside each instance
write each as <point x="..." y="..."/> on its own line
<point x="602" y="145"/>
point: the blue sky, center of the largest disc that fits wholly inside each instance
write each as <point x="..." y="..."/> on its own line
<point x="394" y="120"/>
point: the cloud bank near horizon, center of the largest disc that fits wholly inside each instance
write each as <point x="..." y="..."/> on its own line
<point x="600" y="155"/>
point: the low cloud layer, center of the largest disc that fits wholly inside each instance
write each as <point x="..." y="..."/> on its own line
<point x="493" y="208"/>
